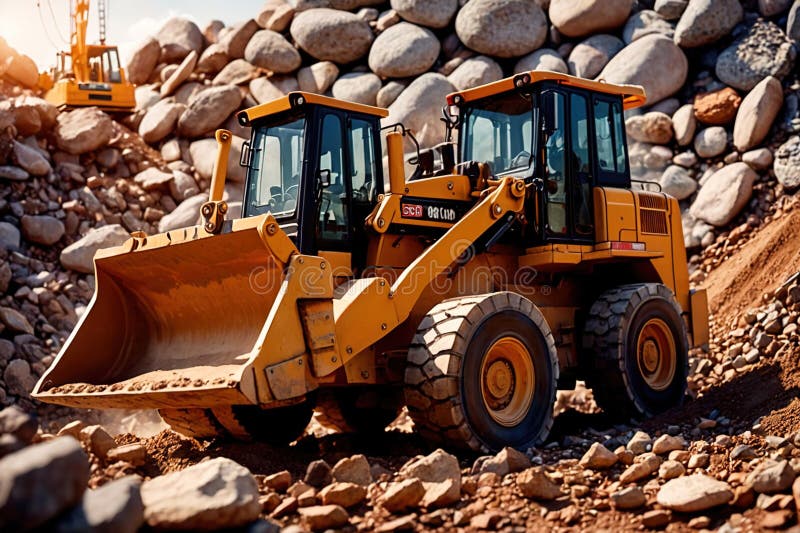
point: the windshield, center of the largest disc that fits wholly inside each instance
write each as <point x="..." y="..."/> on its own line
<point x="497" y="131"/>
<point x="273" y="182"/>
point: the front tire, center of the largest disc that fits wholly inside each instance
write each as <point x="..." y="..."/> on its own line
<point x="482" y="374"/>
<point x="637" y="340"/>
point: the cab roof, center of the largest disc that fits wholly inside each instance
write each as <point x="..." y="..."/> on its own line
<point x="632" y="95"/>
<point x="298" y="98"/>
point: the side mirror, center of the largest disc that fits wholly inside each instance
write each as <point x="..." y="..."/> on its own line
<point x="244" y="157"/>
<point x="324" y="178"/>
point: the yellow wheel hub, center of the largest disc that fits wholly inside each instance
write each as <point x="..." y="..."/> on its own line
<point x="656" y="355"/>
<point x="507" y="381"/>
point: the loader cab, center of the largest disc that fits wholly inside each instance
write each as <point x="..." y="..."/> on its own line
<point x="314" y="163"/>
<point x="563" y="136"/>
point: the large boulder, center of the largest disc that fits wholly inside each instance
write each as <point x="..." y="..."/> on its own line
<point x="213" y="59"/>
<point x="204" y="155"/>
<point x="332" y="35"/>
<point x="684" y="125"/>
<point x="644" y="62"/>
<point x="143" y="61"/>
<point x="676" y="182"/>
<point x="403" y="50"/>
<point x="589" y="57"/>
<point x="185" y="215"/>
<point x="22" y="69"/>
<point x="653" y="127"/>
<point x="475" y="71"/>
<point x="31" y="160"/>
<point x="271" y="51"/>
<point x="208" y="110"/>
<point x="178" y="37"/>
<point x="360" y="87"/>
<point x="234" y="43"/>
<point x="764" y="51"/>
<point x="214" y="494"/>
<point x="237" y="72"/>
<point x="266" y="89"/>
<point x="430" y="13"/>
<point x="646" y="22"/>
<point x="83" y="130"/>
<point x="419" y="108"/>
<point x="724" y="194"/>
<point x="502" y="28"/>
<point x="79" y="256"/>
<point x="705" y="21"/>
<point x="576" y="18"/>
<point x="757" y="113"/>
<point x="318" y="77"/>
<point x="40" y="481"/>
<point x="160" y="120"/>
<point x="115" y="507"/>
<point x="180" y="74"/>
<point x="542" y="59"/>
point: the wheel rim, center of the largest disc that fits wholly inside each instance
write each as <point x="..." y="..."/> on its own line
<point x="656" y="355"/>
<point x="507" y="381"/>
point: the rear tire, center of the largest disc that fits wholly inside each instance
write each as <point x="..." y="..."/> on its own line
<point x="482" y="373"/>
<point x="639" y="347"/>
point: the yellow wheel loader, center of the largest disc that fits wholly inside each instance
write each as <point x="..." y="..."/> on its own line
<point x="469" y="288"/>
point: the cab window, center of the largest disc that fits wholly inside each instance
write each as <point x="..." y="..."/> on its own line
<point x="333" y="195"/>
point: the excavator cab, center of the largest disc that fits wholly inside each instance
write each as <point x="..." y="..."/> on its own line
<point x="316" y="167"/>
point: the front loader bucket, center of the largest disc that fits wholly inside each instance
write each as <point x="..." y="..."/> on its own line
<point x="173" y="324"/>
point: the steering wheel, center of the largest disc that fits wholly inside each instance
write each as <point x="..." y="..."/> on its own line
<point x="521" y="159"/>
<point x="290" y="194"/>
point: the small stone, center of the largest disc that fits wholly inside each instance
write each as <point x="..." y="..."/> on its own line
<point x="628" y="498"/>
<point x="402" y="495"/>
<point x="656" y="519"/>
<point x="535" y="484"/>
<point x="318" y="474"/>
<point x="598" y="457"/>
<point x="279" y="481"/>
<point x="698" y="492"/>
<point x="699" y="522"/>
<point x="15" y="321"/>
<point x="670" y="470"/>
<point x="640" y="443"/>
<point x="135" y="454"/>
<point x="717" y="108"/>
<point x="667" y="443"/>
<point x="18" y="378"/>
<point x="653" y="127"/>
<point x="322" y="517"/>
<point x="73" y="429"/>
<point x="771" y="477"/>
<point x="648" y="463"/>
<point x="98" y="440"/>
<point x="488" y="520"/>
<point x="743" y="452"/>
<point x="711" y="142"/>
<point x="344" y="494"/>
<point x="507" y="461"/>
<point x="17" y="422"/>
<point x="699" y="460"/>
<point x="353" y="469"/>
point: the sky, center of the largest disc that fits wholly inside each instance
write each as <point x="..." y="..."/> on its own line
<point x="40" y="28"/>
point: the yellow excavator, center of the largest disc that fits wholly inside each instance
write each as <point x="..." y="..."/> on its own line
<point x="89" y="74"/>
<point x="468" y="288"/>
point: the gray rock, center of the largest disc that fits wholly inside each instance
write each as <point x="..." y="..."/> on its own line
<point x="31" y="160"/>
<point x="646" y="22"/>
<point x="676" y="182"/>
<point x="213" y="59"/>
<point x="271" y="51"/>
<point x="440" y="476"/>
<point x="706" y="21"/>
<point x="83" y="130"/>
<point x="152" y="178"/>
<point x="15" y="321"/>
<point x="235" y="42"/>
<point x="178" y="37"/>
<point x="576" y="19"/>
<point x="318" y="474"/>
<point x="502" y="28"/>
<point x="475" y="71"/>
<point x="360" y="87"/>
<point x="182" y="186"/>
<point x="793" y="22"/>
<point x="542" y="59"/>
<point x="403" y="50"/>
<point x="764" y="51"/>
<point x="353" y="469"/>
<point x="42" y="229"/>
<point x="589" y="57"/>
<point x="389" y="93"/>
<point x="13" y="173"/>
<point x="9" y="236"/>
<point x="759" y="159"/>
<point x="771" y="477"/>
<point x="684" y="125"/>
<point x="116" y="507"/>
<point x="15" y="421"/>
<point x="628" y="498"/>
<point x="331" y="35"/>
<point x="419" y="108"/>
<point x="204" y="154"/>
<point x="644" y="61"/>
<point x="143" y="61"/>
<point x="725" y="193"/>
<point x="17" y="375"/>
<point x="431" y="13"/>
<point x="180" y="74"/>
<point x="266" y="89"/>
<point x="79" y="256"/>
<point x="208" y="110"/>
<point x="160" y="120"/>
<point x="757" y="113"/>
<point x="787" y="163"/>
<point x="28" y="478"/>
<point x="185" y="215"/>
<point x="210" y="495"/>
<point x="711" y="142"/>
<point x="318" y="77"/>
<point x="670" y="9"/>
<point x="694" y="493"/>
